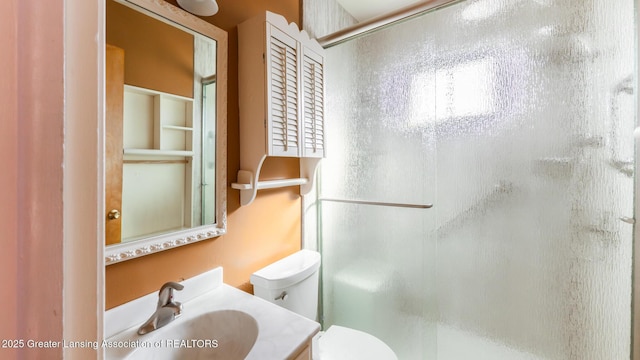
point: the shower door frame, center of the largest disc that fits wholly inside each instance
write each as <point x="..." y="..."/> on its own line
<point x="635" y="293"/>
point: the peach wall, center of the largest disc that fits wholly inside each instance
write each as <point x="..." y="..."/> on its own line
<point x="266" y="230"/>
<point x="40" y="177"/>
<point x="41" y="126"/>
<point x="49" y="236"/>
<point x="32" y="93"/>
<point x="9" y="176"/>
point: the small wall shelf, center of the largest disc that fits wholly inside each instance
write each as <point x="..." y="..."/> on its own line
<point x="271" y="184"/>
<point x="248" y="184"/>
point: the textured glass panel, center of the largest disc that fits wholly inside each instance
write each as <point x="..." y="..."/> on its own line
<point x="379" y="261"/>
<point x="375" y="279"/>
<point x="514" y="118"/>
<point x="533" y="174"/>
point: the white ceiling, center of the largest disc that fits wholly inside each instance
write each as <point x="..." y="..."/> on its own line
<point x="367" y="9"/>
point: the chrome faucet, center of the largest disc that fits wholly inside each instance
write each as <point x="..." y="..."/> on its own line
<point x="166" y="311"/>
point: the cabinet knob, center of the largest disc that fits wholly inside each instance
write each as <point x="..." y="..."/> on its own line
<point x="113" y="214"/>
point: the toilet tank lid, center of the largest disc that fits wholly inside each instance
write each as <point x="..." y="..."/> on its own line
<point x="288" y="271"/>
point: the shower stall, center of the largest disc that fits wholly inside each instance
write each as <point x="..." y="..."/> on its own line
<point x="514" y="119"/>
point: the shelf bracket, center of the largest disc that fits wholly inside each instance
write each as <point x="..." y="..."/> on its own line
<point x="249" y="185"/>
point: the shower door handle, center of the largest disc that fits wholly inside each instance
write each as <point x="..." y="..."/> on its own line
<point x="628" y="220"/>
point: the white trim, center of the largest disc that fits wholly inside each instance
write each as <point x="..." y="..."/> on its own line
<point x="149" y="245"/>
<point x="83" y="175"/>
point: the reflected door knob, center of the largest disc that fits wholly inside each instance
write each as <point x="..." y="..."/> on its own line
<point x="113" y="214"/>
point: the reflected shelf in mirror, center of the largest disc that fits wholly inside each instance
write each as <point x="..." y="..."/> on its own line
<point x="166" y="135"/>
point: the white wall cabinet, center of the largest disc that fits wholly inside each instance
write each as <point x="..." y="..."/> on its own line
<point x="281" y="95"/>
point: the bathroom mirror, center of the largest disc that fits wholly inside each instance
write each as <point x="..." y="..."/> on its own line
<point x="165" y="157"/>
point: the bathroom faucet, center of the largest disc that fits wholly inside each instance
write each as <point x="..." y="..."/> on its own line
<point x="166" y="311"/>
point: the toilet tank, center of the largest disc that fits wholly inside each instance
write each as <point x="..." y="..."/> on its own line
<point x="291" y="282"/>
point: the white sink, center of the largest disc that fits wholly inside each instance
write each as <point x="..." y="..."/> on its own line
<point x="222" y="334"/>
<point x="217" y="322"/>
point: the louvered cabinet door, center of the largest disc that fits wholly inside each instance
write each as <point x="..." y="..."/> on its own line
<point x="283" y="102"/>
<point x="313" y="104"/>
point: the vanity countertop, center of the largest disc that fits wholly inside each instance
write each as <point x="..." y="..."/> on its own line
<point x="282" y="333"/>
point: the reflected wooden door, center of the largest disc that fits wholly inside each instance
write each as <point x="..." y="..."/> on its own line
<point x="113" y="147"/>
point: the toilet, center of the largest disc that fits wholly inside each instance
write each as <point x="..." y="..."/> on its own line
<point x="293" y="284"/>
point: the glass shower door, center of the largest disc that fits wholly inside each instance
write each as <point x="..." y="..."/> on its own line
<point x="379" y="260"/>
<point x="534" y="117"/>
<point x="515" y="119"/>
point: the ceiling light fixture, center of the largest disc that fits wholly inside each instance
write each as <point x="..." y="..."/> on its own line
<point x="199" y="7"/>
